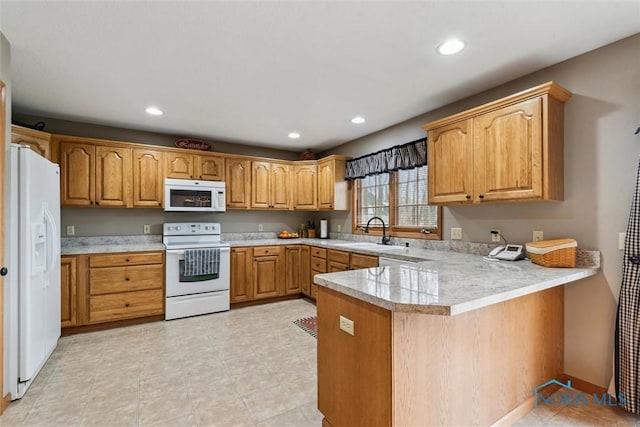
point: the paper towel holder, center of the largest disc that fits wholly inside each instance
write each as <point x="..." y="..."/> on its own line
<point x="324" y="229"/>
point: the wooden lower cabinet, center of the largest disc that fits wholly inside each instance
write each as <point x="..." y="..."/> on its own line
<point x="293" y="269"/>
<point x="305" y="269"/>
<point x="241" y="274"/>
<point x="268" y="272"/>
<point x="359" y="261"/>
<point x="337" y="261"/>
<point x="68" y="291"/>
<point x="125" y="285"/>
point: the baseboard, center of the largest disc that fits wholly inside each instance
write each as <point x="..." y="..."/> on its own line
<point x="583" y="385"/>
<point x="110" y="325"/>
<point x="6" y="401"/>
<point x="522" y="409"/>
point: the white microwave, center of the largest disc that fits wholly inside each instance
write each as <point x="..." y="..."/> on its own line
<point x="194" y="196"/>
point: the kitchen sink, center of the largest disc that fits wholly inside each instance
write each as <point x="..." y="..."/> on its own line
<point x="368" y="246"/>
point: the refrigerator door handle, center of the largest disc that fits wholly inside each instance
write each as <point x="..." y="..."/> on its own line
<point x="52" y="248"/>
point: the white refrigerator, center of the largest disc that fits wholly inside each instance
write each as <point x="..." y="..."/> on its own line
<point x="32" y="286"/>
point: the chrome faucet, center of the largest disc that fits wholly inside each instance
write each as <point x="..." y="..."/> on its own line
<point x="385" y="239"/>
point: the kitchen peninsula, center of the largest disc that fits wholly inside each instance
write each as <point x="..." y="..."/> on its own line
<point x="455" y="340"/>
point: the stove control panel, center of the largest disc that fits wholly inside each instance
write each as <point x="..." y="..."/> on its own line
<point x="190" y="228"/>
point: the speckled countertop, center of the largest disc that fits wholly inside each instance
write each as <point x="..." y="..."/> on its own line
<point x="450" y="283"/>
<point x="110" y="244"/>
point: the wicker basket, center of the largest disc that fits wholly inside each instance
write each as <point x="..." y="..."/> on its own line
<point x="553" y="253"/>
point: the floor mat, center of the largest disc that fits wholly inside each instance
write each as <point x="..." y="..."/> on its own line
<point x="309" y="325"/>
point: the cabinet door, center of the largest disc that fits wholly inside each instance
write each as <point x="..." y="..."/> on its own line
<point x="363" y="261"/>
<point x="113" y="176"/>
<point x="148" y="178"/>
<point x="179" y="165"/>
<point x="77" y="171"/>
<point x="266" y="276"/>
<point x="509" y="152"/>
<point x="305" y="269"/>
<point x="260" y="184"/>
<point x="241" y="275"/>
<point x="305" y="183"/>
<point x="210" y="168"/>
<point x="280" y="186"/>
<point x="326" y="183"/>
<point x="39" y="141"/>
<point x="450" y="154"/>
<point x="238" y="176"/>
<point x="293" y="268"/>
<point x="68" y="289"/>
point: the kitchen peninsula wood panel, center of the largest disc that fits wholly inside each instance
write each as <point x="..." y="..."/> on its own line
<point x="476" y="368"/>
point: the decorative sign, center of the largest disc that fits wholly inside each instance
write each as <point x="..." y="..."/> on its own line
<point x="193" y="144"/>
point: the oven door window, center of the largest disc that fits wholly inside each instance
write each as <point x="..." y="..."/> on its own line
<point x="199" y="278"/>
<point x="190" y="198"/>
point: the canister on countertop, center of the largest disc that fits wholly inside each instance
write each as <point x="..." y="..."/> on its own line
<point x="324" y="229"/>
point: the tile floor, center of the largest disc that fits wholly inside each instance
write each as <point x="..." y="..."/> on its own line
<point x="247" y="367"/>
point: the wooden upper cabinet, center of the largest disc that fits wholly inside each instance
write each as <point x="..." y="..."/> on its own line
<point x="209" y="168"/>
<point x="148" y="178"/>
<point x="77" y="174"/>
<point x="39" y="141"/>
<point x="238" y="183"/>
<point x="333" y="190"/>
<point x="179" y="165"/>
<point x="451" y="163"/>
<point x="305" y="184"/>
<point x="113" y="176"/>
<point x="508" y="150"/>
<point x="270" y="185"/>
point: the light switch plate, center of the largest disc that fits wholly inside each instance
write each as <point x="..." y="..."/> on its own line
<point x="71" y="230"/>
<point x="146" y="229"/>
<point x="621" y="239"/>
<point x="347" y="325"/>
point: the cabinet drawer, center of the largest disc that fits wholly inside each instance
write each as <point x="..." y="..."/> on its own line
<point x="125" y="305"/>
<point x="266" y="250"/>
<point x="114" y="260"/>
<point x="338" y="256"/>
<point x="318" y="265"/>
<point x="122" y="279"/>
<point x="363" y="261"/>
<point x="319" y="252"/>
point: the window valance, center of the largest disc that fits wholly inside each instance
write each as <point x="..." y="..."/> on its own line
<point x="406" y="156"/>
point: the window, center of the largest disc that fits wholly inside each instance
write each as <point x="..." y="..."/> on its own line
<point x="400" y="199"/>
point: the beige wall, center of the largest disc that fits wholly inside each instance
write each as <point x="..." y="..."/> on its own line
<point x="601" y="154"/>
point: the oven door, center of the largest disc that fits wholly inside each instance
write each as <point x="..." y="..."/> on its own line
<point x="178" y="284"/>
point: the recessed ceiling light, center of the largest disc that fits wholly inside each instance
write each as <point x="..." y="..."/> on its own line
<point x="451" y="47"/>
<point x="294" y="135"/>
<point x="154" y="111"/>
<point x="358" y="119"/>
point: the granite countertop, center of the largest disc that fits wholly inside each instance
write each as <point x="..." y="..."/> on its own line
<point x="451" y="283"/>
<point x="109" y="244"/>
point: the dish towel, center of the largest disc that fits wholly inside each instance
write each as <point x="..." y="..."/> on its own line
<point x="201" y="262"/>
<point x="627" y="339"/>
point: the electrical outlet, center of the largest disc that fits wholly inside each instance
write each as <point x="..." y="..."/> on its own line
<point x="260" y="228"/>
<point x="347" y="325"/>
<point x="71" y="230"/>
<point x="538" y="235"/>
<point x="495" y="237"/>
<point x="146" y="229"/>
<point x="621" y="238"/>
<point x="456" y="233"/>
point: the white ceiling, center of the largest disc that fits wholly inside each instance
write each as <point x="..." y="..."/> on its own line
<point x="251" y="72"/>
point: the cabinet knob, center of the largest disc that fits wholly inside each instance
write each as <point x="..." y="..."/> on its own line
<point x="126" y="260"/>
<point x="126" y="278"/>
<point x="468" y="196"/>
<point x="91" y="202"/>
<point x="3" y="271"/>
<point x="97" y="202"/>
<point x="126" y="304"/>
<point x="481" y="196"/>
<point x="200" y="176"/>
